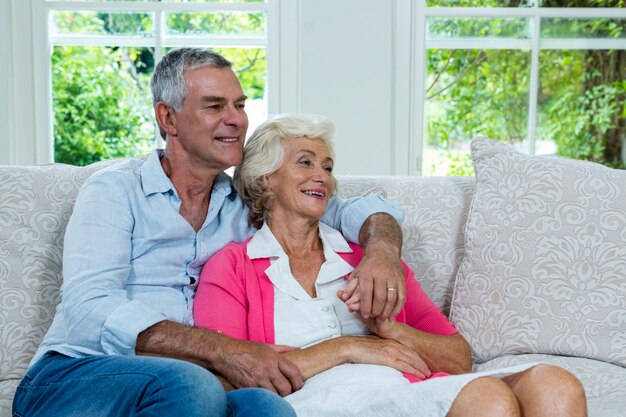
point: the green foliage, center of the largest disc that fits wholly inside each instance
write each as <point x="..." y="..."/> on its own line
<point x="582" y="94"/>
<point x="250" y="66"/>
<point x="460" y="164"/>
<point x="100" y="110"/>
<point x="595" y="108"/>
<point x="474" y="93"/>
<point x="224" y="23"/>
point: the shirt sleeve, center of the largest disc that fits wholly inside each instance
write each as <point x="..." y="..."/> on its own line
<point x="349" y="215"/>
<point x="220" y="301"/>
<point x="96" y="267"/>
<point x="421" y="313"/>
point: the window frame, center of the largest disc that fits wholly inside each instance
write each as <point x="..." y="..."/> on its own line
<point x="44" y="41"/>
<point x="414" y="47"/>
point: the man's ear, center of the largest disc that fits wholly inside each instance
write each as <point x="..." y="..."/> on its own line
<point x="166" y="118"/>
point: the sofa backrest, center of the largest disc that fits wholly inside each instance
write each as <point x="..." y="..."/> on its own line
<point x="435" y="214"/>
<point x="36" y="203"/>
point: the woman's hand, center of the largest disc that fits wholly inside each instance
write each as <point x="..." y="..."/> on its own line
<point x="387" y="329"/>
<point x="378" y="351"/>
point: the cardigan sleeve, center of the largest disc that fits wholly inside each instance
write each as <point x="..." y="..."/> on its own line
<point x="420" y="311"/>
<point x="221" y="302"/>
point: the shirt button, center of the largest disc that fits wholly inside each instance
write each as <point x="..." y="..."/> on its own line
<point x="332" y="325"/>
<point x="325" y="309"/>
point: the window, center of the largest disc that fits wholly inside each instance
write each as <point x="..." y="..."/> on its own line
<point x="546" y="77"/>
<point x="102" y="54"/>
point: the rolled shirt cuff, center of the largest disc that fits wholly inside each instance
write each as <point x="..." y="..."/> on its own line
<point x="356" y="214"/>
<point x="119" y="335"/>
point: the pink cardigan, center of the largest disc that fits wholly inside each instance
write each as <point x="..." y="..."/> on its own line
<point x="236" y="297"/>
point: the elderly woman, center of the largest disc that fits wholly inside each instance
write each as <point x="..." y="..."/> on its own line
<point x="285" y="286"/>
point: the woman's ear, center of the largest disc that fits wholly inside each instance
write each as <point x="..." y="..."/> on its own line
<point x="166" y="118"/>
<point x="267" y="183"/>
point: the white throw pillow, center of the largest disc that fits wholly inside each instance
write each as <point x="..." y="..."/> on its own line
<point x="545" y="257"/>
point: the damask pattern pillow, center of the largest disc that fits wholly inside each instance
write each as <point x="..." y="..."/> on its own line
<point x="544" y="269"/>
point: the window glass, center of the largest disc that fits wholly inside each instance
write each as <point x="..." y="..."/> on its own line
<point x="581" y="105"/>
<point x="442" y="28"/>
<point x="92" y="23"/>
<point x="164" y="1"/>
<point x="583" y="28"/>
<point x="93" y="1"/>
<point x="241" y="24"/>
<point x="101" y="101"/>
<point x="213" y="1"/>
<point x="581" y="3"/>
<point x="479" y="81"/>
<point x="479" y="3"/>
<point x="471" y="93"/>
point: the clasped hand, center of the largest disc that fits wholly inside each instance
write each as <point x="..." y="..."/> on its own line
<point x="376" y="288"/>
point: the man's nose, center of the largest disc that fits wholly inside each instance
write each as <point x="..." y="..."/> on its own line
<point x="235" y="116"/>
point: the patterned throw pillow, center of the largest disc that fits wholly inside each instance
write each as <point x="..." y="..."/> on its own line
<point x="545" y="257"/>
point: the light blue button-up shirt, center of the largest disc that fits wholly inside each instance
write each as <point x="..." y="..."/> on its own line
<point x="130" y="260"/>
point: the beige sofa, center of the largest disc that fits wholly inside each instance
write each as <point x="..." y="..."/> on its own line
<point x="36" y="202"/>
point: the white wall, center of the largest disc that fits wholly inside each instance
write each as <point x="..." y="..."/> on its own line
<point x="343" y="55"/>
<point x="337" y="58"/>
<point x="6" y="114"/>
<point x="18" y="142"/>
<point x="345" y="73"/>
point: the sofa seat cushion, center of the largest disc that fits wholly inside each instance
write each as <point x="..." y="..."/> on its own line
<point x="7" y="391"/>
<point x="545" y="257"/>
<point x="603" y="382"/>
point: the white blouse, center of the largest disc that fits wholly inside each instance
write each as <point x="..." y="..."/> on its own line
<point x="299" y="319"/>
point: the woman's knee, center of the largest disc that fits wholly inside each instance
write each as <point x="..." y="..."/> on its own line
<point x="550" y="383"/>
<point x="486" y="396"/>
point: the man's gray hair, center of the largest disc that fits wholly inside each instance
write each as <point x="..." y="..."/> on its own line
<point x="168" y="81"/>
<point x="263" y="154"/>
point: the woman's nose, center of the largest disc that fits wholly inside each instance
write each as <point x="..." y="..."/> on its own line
<point x="321" y="175"/>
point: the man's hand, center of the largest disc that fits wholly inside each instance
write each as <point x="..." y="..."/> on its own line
<point x="377" y="286"/>
<point x="241" y="363"/>
<point x="250" y="364"/>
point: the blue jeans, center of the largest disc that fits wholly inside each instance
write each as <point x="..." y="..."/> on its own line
<point x="108" y="386"/>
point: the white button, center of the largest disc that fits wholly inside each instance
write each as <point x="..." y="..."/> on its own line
<point x="332" y="325"/>
<point x="325" y="309"/>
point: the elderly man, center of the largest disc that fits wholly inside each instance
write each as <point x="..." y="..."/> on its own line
<point x="122" y="341"/>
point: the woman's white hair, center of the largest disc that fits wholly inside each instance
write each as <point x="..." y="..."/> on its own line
<point x="263" y="154"/>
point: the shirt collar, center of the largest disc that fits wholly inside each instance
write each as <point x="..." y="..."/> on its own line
<point x="224" y="184"/>
<point x="333" y="240"/>
<point x="154" y="180"/>
<point x="264" y="244"/>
